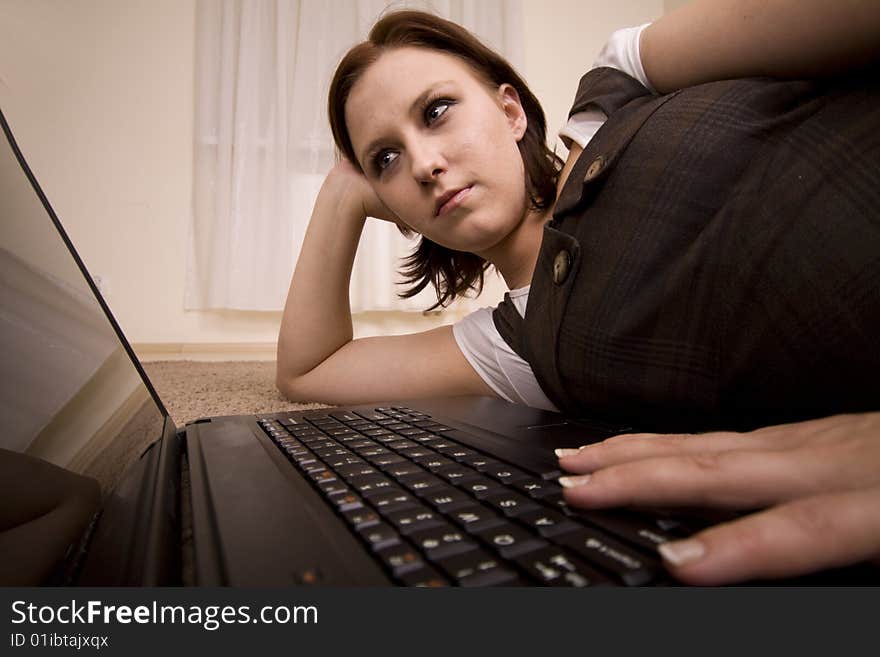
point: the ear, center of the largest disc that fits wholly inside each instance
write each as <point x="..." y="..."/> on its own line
<point x="513" y="110"/>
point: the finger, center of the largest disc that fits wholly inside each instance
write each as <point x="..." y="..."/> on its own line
<point x="797" y="538"/>
<point x="733" y="479"/>
<point x="632" y="447"/>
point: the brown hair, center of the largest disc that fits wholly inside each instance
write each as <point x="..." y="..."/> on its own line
<point x="452" y="273"/>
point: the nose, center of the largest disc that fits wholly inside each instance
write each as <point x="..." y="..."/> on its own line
<point x="428" y="163"/>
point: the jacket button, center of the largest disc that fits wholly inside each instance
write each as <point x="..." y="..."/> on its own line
<point x="561" y="267"/>
<point x="595" y="168"/>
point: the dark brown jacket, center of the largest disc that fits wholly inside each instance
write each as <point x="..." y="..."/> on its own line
<point x="714" y="258"/>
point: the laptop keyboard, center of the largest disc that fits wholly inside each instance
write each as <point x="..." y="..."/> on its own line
<point x="436" y="512"/>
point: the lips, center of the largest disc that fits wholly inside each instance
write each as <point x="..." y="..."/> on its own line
<point x="450" y="200"/>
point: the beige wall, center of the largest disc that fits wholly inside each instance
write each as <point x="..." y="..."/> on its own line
<point x="100" y="95"/>
<point x="562" y="37"/>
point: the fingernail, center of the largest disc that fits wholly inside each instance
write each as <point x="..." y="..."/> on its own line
<point x="566" y="452"/>
<point x="571" y="482"/>
<point x="681" y="553"/>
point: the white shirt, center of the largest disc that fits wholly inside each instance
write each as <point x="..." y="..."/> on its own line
<point x="498" y="365"/>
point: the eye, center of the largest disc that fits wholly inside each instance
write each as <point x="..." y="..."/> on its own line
<point x="436" y="110"/>
<point x="384" y="159"/>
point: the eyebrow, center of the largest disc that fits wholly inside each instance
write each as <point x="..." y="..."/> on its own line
<point x="417" y="103"/>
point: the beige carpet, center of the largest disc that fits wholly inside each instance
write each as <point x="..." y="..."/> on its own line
<point x="191" y="390"/>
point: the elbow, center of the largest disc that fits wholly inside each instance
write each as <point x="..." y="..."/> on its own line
<point x="293" y="386"/>
<point x="285" y="382"/>
<point x="285" y="375"/>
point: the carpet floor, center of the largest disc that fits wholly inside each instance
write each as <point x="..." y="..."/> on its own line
<point x="191" y="390"/>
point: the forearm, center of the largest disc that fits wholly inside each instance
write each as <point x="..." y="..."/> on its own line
<point x="721" y="39"/>
<point x="317" y="317"/>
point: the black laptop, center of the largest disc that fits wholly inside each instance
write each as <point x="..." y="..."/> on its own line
<point x="99" y="487"/>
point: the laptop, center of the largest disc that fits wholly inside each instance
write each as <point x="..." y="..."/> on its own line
<point x="99" y="487"/>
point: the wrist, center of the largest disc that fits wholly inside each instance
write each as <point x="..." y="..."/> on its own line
<point x="342" y="200"/>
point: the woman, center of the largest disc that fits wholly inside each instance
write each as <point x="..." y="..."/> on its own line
<point x="654" y="280"/>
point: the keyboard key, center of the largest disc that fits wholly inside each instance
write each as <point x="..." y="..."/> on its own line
<point x="510" y="504"/>
<point x="641" y="531"/>
<point x="411" y="432"/>
<point x="393" y="501"/>
<point x="402" y="469"/>
<point x="446" y="498"/>
<point x="442" y="541"/>
<point x="612" y="555"/>
<point x="400" y="444"/>
<point x="537" y="488"/>
<point x="547" y="522"/>
<point x="457" y="453"/>
<point x="455" y="472"/>
<point x="480" y="487"/>
<point x="379" y="536"/>
<point x="349" y="472"/>
<point x="303" y="433"/>
<point x="345" y="501"/>
<point x="330" y="452"/>
<point x="433" y="462"/>
<point x="434" y="442"/>
<point x="419" y="482"/>
<point x="349" y="439"/>
<point x="336" y="462"/>
<point x="408" y="521"/>
<point x="557" y="501"/>
<point x="424" y="438"/>
<point x="360" y="518"/>
<point x="509" y="539"/>
<point x="313" y="467"/>
<point x="394" y="425"/>
<point x="425" y="576"/>
<point x="387" y="440"/>
<point x="296" y="451"/>
<point x="479" y="462"/>
<point x="320" y="419"/>
<point x="345" y="417"/>
<point x="371" y="484"/>
<point x="475" y="518"/>
<point x="505" y="473"/>
<point x="305" y="460"/>
<point x="368" y="452"/>
<point x="321" y="474"/>
<point x="477" y="568"/>
<point x="433" y="426"/>
<point x="292" y="422"/>
<point x="400" y="558"/>
<point x="371" y="415"/>
<point x="332" y="486"/>
<point x="361" y="425"/>
<point x="553" y="566"/>
<point x="385" y="459"/>
<point x="415" y="452"/>
<point x="424" y="423"/>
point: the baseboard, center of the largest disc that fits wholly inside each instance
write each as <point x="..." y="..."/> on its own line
<point x="204" y="351"/>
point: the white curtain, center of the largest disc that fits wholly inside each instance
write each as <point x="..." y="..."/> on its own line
<point x="263" y="144"/>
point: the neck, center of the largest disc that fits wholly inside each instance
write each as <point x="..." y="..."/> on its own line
<point x="516" y="255"/>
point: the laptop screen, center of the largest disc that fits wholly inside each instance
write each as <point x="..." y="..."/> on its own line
<point x="71" y="393"/>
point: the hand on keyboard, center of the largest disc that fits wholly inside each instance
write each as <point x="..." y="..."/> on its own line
<point x="816" y="483"/>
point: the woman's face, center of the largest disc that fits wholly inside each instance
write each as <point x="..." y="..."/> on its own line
<point x="439" y="147"/>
